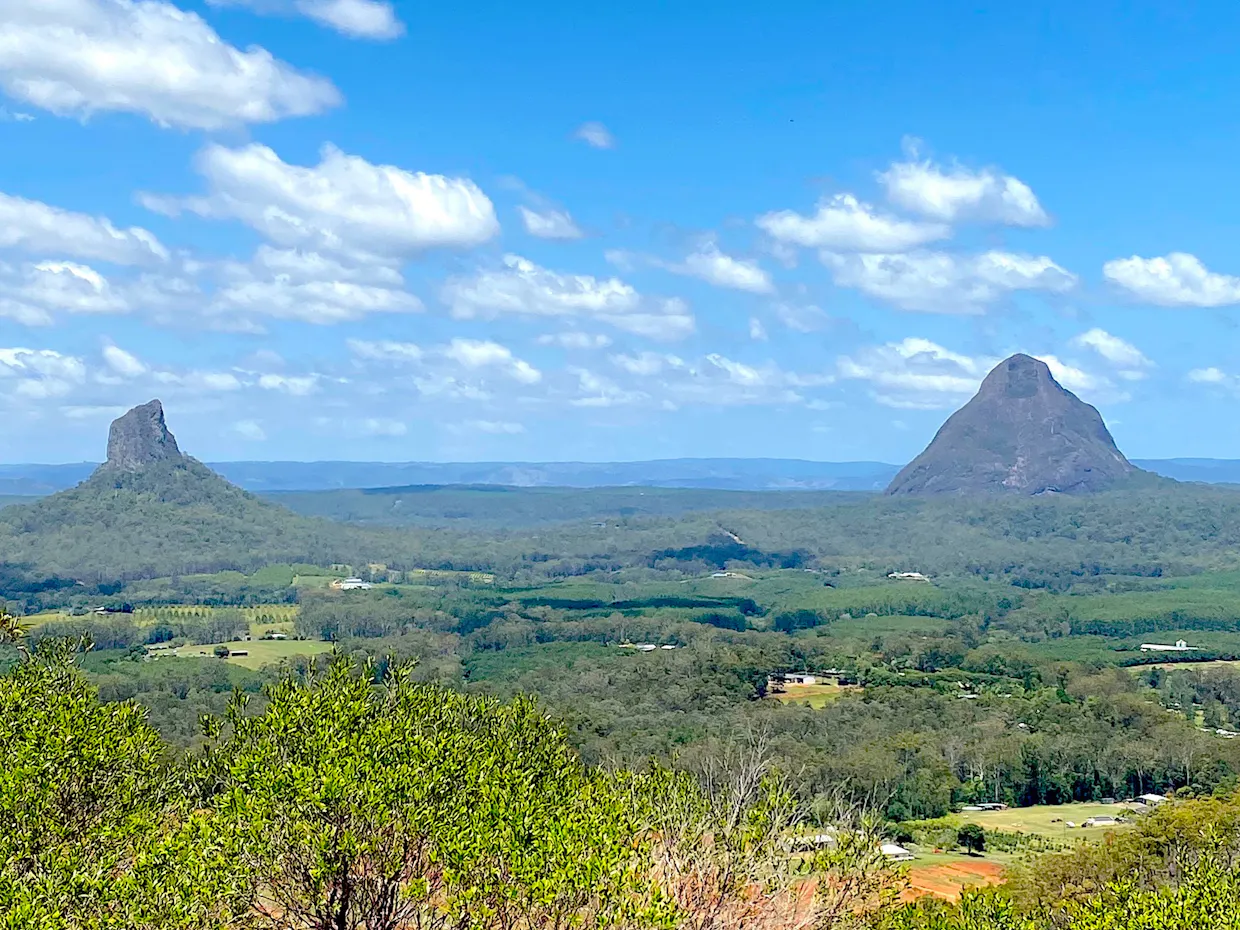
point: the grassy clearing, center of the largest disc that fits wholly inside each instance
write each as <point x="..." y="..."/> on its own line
<point x="1188" y="663"/>
<point x="260" y="653"/>
<point x="1051" y="820"/>
<point x="423" y="575"/>
<point x="816" y="696"/>
<point x="896" y="623"/>
<point x="314" y="581"/>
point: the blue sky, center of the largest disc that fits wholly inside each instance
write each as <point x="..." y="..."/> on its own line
<point x="348" y="229"/>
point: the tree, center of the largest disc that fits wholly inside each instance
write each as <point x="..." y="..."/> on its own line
<point x="972" y="838"/>
<point x="401" y="804"/>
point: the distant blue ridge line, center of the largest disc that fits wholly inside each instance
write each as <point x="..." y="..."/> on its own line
<point x="703" y="473"/>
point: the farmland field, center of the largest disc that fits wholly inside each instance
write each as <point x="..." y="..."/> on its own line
<point x="946" y="875"/>
<point x="261" y="652"/>
<point x="1051" y="820"/>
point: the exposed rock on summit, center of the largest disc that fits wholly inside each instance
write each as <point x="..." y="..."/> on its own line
<point x="1022" y="433"/>
<point x="140" y="438"/>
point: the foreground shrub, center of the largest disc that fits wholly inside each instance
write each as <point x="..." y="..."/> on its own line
<point x="94" y="826"/>
<point x="397" y="804"/>
<point x="365" y="804"/>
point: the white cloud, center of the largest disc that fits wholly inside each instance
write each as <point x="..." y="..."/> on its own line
<point x="303" y="266"/>
<point x="386" y="351"/>
<point x="342" y="204"/>
<point x="359" y="19"/>
<point x="14" y="116"/>
<point x="322" y="302"/>
<point x="597" y="391"/>
<point x="721" y="270"/>
<point x="123" y="363"/>
<point x="523" y="288"/>
<point x="670" y="381"/>
<point x="646" y="363"/>
<point x="92" y="411"/>
<point x="803" y="318"/>
<point x="847" y="224"/>
<point x="1174" y="280"/>
<point x="195" y="381"/>
<point x="1130" y="360"/>
<point x="549" y="224"/>
<point x="39" y="374"/>
<point x="452" y="370"/>
<point x="1209" y="376"/>
<point x="382" y="426"/>
<point x="1214" y="377"/>
<point x="958" y="194"/>
<point x="1072" y="377"/>
<point x="939" y="282"/>
<point x="295" y="385"/>
<point x="306" y="286"/>
<point x="757" y="331"/>
<point x="737" y="372"/>
<point x="595" y="135"/>
<point x="473" y="354"/>
<point x="575" y="340"/>
<point x="78" y="57"/>
<point x="199" y="381"/>
<point x="673" y="322"/>
<point x="37" y="227"/>
<point x="72" y="287"/>
<point x="915" y="373"/>
<point x="494" y="427"/>
<point x="249" y="429"/>
<point x="32" y="294"/>
<point x="705" y="262"/>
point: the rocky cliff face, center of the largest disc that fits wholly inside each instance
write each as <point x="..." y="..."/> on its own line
<point x="1021" y="434"/>
<point x="140" y="438"/>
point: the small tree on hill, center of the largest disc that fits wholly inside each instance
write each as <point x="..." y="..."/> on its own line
<point x="972" y="838"/>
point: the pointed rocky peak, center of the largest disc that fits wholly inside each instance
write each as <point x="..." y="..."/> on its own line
<point x="1022" y="433"/>
<point x="140" y="438"/>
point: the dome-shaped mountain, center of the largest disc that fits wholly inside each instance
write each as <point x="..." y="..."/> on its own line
<point x="1022" y="433"/>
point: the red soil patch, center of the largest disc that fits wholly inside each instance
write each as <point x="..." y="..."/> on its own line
<point x="949" y="879"/>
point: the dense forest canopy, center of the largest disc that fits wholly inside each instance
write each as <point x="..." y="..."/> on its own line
<point x="180" y="520"/>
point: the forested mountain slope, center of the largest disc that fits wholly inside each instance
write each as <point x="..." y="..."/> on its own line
<point x="173" y="517"/>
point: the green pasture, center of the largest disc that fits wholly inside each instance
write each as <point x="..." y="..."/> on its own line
<point x="259" y="652"/>
<point x="1051" y="820"/>
<point x="816" y="696"/>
